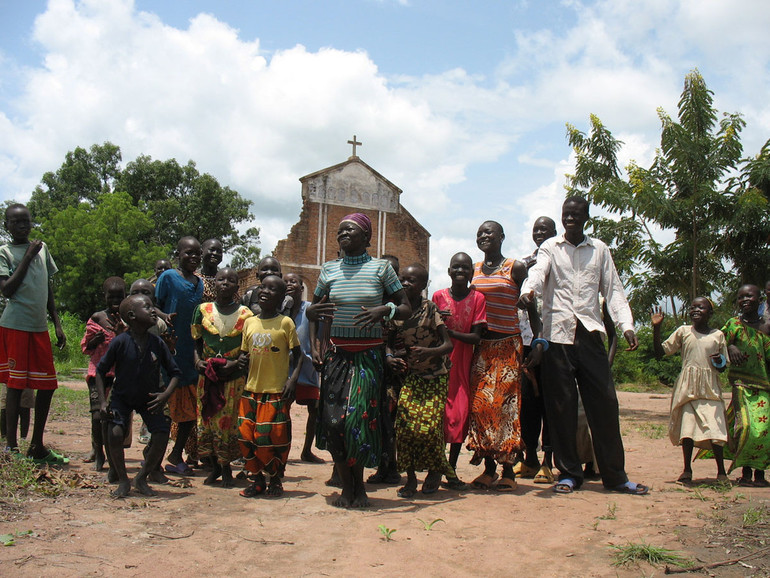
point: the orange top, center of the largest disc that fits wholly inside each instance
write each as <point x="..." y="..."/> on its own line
<point x="502" y="295"/>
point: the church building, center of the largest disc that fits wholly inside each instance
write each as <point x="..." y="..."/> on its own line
<point x="330" y="194"/>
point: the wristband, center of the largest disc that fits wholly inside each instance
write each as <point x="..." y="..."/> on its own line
<point x="392" y="306"/>
<point x="722" y="362"/>
<point x="541" y="341"/>
<point x="388" y="355"/>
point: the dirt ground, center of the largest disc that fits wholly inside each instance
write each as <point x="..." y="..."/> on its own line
<point x="203" y="530"/>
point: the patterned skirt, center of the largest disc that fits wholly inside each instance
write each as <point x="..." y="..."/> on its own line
<point x="495" y="429"/>
<point x="748" y="426"/>
<point x="349" y="408"/>
<point x="264" y="424"/>
<point x="218" y="436"/>
<point x="420" y="426"/>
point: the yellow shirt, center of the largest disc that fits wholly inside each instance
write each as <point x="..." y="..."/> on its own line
<point x="268" y="343"/>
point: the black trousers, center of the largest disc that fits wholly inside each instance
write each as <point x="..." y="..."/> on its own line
<point x="533" y="414"/>
<point x="583" y="365"/>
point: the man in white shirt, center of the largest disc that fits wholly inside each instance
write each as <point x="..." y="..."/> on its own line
<point x="572" y="270"/>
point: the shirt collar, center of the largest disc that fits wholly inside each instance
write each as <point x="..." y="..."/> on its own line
<point x="357" y="259"/>
<point x="586" y="240"/>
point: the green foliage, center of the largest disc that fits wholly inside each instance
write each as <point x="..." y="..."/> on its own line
<point x="386" y="532"/>
<point x="683" y="191"/>
<point x="641" y="366"/>
<point x="100" y="220"/>
<point x="429" y="525"/>
<point x="71" y="356"/>
<point x="70" y="404"/>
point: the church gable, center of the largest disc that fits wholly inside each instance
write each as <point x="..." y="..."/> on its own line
<point x="351" y="184"/>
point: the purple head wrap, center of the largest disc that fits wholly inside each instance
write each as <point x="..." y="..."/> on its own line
<point x="362" y="221"/>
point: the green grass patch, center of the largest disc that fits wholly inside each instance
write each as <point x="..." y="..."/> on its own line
<point x="68" y="404"/>
<point x="654" y="431"/>
<point x="20" y="478"/>
<point x="633" y="553"/>
<point x="754" y="516"/>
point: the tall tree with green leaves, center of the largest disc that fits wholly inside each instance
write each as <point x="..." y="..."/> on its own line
<point x="684" y="192"/>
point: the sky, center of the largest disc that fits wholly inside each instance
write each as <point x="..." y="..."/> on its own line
<point x="463" y="105"/>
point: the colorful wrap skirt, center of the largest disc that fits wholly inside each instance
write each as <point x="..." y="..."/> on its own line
<point x="264" y="425"/>
<point x="495" y="427"/>
<point x="218" y="436"/>
<point x="349" y="408"/>
<point x="748" y="426"/>
<point x="420" y="426"/>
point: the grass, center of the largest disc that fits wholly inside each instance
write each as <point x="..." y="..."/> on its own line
<point x="654" y="431"/>
<point x="20" y="478"/>
<point x="69" y="404"/>
<point x="632" y="553"/>
<point x="754" y="516"/>
<point x="610" y="515"/>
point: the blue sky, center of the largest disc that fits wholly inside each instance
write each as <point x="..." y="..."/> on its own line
<point x="462" y="105"/>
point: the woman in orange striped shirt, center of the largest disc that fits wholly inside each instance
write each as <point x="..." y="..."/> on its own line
<point x="495" y="428"/>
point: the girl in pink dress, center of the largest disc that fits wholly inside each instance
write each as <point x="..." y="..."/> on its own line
<point x="464" y="312"/>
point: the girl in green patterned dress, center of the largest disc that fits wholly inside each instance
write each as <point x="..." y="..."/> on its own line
<point x="216" y="328"/>
<point x="748" y="417"/>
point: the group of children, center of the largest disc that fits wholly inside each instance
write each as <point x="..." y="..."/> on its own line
<point x="225" y="370"/>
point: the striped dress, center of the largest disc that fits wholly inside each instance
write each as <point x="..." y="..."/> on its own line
<point x="495" y="427"/>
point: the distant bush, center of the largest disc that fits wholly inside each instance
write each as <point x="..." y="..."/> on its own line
<point x="71" y="356"/>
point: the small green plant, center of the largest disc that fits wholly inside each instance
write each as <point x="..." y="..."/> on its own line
<point x="632" y="553"/>
<point x="754" y="516"/>
<point x="610" y="515"/>
<point x="654" y="431"/>
<point x="429" y="525"/>
<point x="698" y="493"/>
<point x="387" y="532"/>
<point x="10" y="539"/>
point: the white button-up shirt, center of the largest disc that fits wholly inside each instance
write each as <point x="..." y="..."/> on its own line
<point x="569" y="279"/>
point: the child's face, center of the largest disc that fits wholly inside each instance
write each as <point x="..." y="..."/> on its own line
<point x="748" y="299"/>
<point x="543" y="229"/>
<point x="489" y="237"/>
<point x="700" y="310"/>
<point x="189" y="256"/>
<point x="226" y="283"/>
<point x="113" y="297"/>
<point x="271" y="293"/>
<point x="18" y="223"/>
<point x="212" y="253"/>
<point x="269" y="266"/>
<point x="144" y="314"/>
<point x="162" y="265"/>
<point x="460" y="269"/>
<point x="293" y="285"/>
<point x="413" y="281"/>
<point x="142" y="287"/>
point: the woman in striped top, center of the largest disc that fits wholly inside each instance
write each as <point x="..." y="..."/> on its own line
<point x="495" y="428"/>
<point x="351" y="290"/>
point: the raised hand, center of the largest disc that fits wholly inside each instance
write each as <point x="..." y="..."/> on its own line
<point x="656" y="315"/>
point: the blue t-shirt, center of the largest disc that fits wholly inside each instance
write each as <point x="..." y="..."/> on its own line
<point x="136" y="377"/>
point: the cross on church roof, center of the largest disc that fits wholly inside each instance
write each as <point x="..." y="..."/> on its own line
<point x="355" y="143"/>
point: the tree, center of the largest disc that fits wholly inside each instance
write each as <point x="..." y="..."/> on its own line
<point x="92" y="242"/>
<point x="682" y="192"/>
<point x="90" y="199"/>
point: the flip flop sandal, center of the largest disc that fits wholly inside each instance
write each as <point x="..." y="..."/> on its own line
<point x="761" y="483"/>
<point x="745" y="482"/>
<point x="565" y="486"/>
<point x="484" y="481"/>
<point x="522" y="470"/>
<point x="637" y="490"/>
<point x="406" y="492"/>
<point x="52" y="459"/>
<point x="544" y="476"/>
<point x="181" y="469"/>
<point x="684" y="479"/>
<point x="506" y="485"/>
<point x="253" y="490"/>
<point x="455" y="484"/>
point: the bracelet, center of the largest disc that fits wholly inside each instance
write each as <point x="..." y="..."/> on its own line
<point x="722" y="362"/>
<point x="541" y="341"/>
<point x="392" y="307"/>
<point x="388" y="355"/>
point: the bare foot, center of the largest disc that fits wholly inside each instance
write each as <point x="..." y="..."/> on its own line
<point x="157" y="477"/>
<point x="361" y="500"/>
<point x="227" y="477"/>
<point x="112" y="476"/>
<point x="216" y="471"/>
<point x="275" y="489"/>
<point x="431" y="483"/>
<point x="335" y="482"/>
<point x="310" y="457"/>
<point x="140" y="485"/>
<point x="99" y="462"/>
<point x="123" y="489"/>
<point x="342" y="502"/>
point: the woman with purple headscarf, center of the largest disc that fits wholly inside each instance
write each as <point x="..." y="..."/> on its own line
<point x="350" y="294"/>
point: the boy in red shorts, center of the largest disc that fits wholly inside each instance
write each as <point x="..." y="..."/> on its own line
<point x="26" y="358"/>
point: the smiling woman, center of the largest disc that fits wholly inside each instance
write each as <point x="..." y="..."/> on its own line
<point x="350" y="294"/>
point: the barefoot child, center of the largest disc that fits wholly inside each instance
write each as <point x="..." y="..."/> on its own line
<point x="748" y="417"/>
<point x="217" y="329"/>
<point x="464" y="312"/>
<point x="102" y="327"/>
<point x="137" y="357"/>
<point x="263" y="417"/>
<point x="26" y="358"/>
<point x="179" y="291"/>
<point x="697" y="409"/>
<point x="420" y="413"/>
